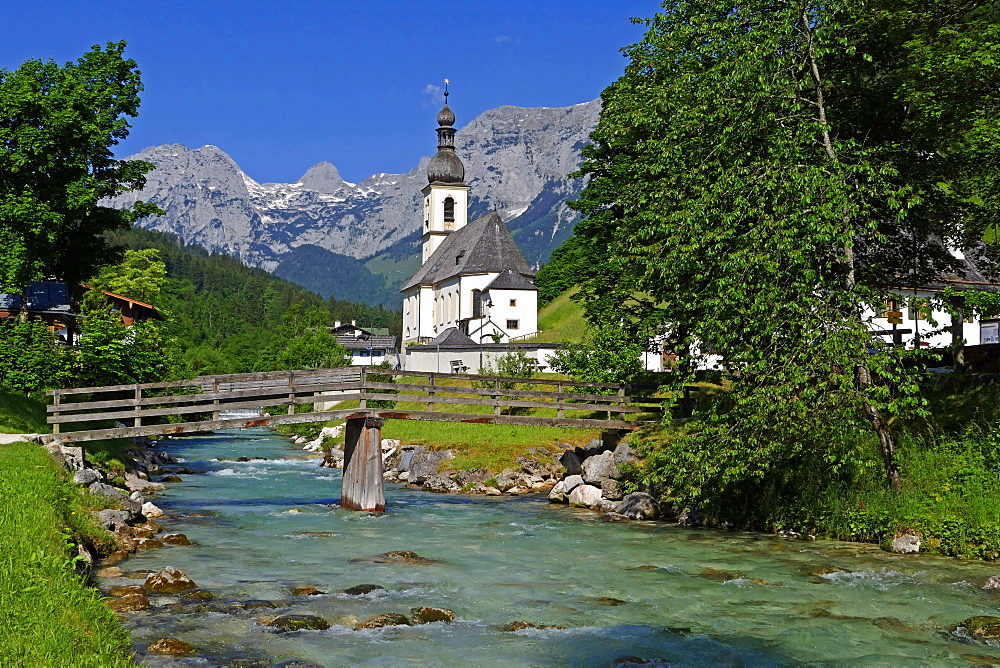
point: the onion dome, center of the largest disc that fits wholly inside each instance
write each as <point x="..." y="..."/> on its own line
<point x="445" y="167"/>
<point x="446" y="117"/>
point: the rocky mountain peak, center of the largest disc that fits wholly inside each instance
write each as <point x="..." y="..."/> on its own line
<point x="323" y="177"/>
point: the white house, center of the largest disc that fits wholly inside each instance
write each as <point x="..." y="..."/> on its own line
<point x="368" y="346"/>
<point x="473" y="278"/>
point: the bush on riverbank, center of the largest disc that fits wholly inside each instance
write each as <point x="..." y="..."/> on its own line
<point x="48" y="615"/>
<point x="951" y="479"/>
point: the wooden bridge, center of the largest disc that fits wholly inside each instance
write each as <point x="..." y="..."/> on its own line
<point x="209" y="403"/>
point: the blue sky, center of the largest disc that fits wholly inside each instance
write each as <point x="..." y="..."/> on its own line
<point x="281" y="86"/>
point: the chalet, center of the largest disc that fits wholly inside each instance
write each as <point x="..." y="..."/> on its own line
<point x="48" y="301"/>
<point x="53" y="303"/>
<point x="368" y="346"/>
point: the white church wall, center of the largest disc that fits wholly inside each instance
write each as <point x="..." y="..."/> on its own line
<point x="515" y="306"/>
<point x="444" y="360"/>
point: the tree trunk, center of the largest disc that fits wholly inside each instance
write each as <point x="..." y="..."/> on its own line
<point x="862" y="374"/>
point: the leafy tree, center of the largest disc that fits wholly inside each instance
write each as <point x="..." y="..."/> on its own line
<point x="607" y="355"/>
<point x="140" y="275"/>
<point x="305" y="342"/>
<point x="110" y="353"/>
<point x="57" y="129"/>
<point x="762" y="173"/>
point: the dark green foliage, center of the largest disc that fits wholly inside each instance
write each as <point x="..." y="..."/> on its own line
<point x="226" y="317"/>
<point x="831" y="486"/>
<point x="56" y="164"/>
<point x="761" y="175"/>
<point x="30" y="358"/>
<point x="565" y="269"/>
<point x="336" y="276"/>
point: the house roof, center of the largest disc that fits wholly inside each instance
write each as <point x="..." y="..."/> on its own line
<point x="483" y="246"/>
<point x="371" y="331"/>
<point x="452" y="337"/>
<point x="511" y="280"/>
<point x="373" y="342"/>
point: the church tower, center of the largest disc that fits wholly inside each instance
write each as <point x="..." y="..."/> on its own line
<point x="446" y="197"/>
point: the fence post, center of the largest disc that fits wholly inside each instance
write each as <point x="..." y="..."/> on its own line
<point x="138" y="407"/>
<point x="496" y="398"/>
<point x="621" y="402"/>
<point x="291" y="393"/>
<point x="215" y="402"/>
<point x="430" y="393"/>
<point x="560" y="412"/>
<point x="364" y="380"/>
<point x="55" y="402"/>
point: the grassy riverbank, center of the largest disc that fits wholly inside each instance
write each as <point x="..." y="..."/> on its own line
<point x="950" y="463"/>
<point x="20" y="414"/>
<point x="48" y="614"/>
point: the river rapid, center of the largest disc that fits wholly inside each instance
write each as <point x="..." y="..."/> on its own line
<point x="645" y="589"/>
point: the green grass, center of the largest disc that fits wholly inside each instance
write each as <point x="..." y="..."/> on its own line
<point x="489" y="446"/>
<point x="21" y="415"/>
<point x="561" y="320"/>
<point x="48" y="615"/>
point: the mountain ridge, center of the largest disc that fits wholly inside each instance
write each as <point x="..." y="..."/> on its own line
<point x="517" y="160"/>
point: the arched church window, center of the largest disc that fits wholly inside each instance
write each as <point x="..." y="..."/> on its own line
<point x="449" y="209"/>
<point x="477" y="303"/>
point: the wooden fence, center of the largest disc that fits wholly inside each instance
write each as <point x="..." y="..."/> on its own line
<point x="198" y="404"/>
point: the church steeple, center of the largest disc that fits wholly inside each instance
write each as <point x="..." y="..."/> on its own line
<point x="445" y="166"/>
<point x="446" y="197"/>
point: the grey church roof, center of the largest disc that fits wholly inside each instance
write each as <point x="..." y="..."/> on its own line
<point x="452" y="337"/>
<point x="481" y="247"/>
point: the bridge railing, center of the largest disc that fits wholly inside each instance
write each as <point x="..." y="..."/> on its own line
<point x="198" y="404"/>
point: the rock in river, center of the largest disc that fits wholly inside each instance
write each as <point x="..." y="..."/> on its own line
<point x="518" y="626"/>
<point x="396" y="557"/>
<point x="428" y="615"/>
<point x="362" y="589"/>
<point x="982" y="627"/>
<point x="129" y="603"/>
<point x="285" y="623"/>
<point x="306" y="590"/>
<point x="388" y="619"/>
<point x="170" y="646"/>
<point x="584" y="496"/>
<point x="169" y="581"/>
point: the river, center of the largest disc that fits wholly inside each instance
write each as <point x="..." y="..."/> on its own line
<point x="641" y="589"/>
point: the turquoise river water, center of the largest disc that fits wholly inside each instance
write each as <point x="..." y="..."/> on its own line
<point x="689" y="597"/>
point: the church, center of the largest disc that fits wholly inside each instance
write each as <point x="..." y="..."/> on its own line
<point x="473" y="285"/>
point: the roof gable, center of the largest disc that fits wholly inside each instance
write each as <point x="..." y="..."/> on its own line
<point x="511" y="280"/>
<point x="481" y="247"/>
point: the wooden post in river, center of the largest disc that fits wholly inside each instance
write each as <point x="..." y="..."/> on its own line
<point x="363" y="487"/>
